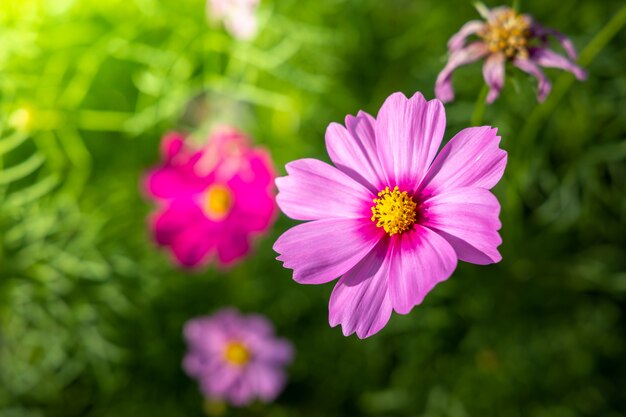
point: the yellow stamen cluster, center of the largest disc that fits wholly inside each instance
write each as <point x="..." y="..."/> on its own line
<point x="394" y="211"/>
<point x="507" y="32"/>
<point x="237" y="354"/>
<point x="217" y="202"/>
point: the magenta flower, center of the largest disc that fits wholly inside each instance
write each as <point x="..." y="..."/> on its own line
<point x="506" y="36"/>
<point x="390" y="218"/>
<point x="212" y="201"/>
<point x="238" y="16"/>
<point x="236" y="358"/>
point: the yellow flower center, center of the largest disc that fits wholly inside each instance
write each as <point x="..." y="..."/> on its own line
<point x="394" y="211"/>
<point x="507" y="32"/>
<point x="237" y="354"/>
<point x="217" y="202"/>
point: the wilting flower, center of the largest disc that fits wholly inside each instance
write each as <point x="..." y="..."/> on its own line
<point x="506" y="36"/>
<point x="236" y="358"/>
<point x="239" y="16"/>
<point x="213" y="200"/>
<point x="390" y="218"/>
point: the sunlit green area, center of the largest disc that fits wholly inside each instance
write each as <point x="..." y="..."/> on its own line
<point x="91" y="312"/>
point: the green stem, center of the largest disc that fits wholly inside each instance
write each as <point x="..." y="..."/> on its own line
<point x="479" y="107"/>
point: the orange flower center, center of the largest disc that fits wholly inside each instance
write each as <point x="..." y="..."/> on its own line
<point x="507" y="32"/>
<point x="218" y="201"/>
<point x="394" y="211"/>
<point x="237" y="354"/>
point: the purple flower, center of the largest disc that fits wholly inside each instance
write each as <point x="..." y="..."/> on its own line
<point x="506" y="36"/>
<point x="236" y="358"/>
<point x="392" y="217"/>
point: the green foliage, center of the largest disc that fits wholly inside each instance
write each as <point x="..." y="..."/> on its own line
<point x="91" y="312"/>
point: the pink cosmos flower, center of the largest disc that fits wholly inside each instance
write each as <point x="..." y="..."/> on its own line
<point x="213" y="200"/>
<point x="392" y="217"/>
<point x="506" y="36"/>
<point x="236" y="358"/>
<point x="239" y="16"/>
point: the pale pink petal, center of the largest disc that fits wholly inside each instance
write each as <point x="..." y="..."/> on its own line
<point x="241" y="23"/>
<point x="258" y="325"/>
<point x="323" y="250"/>
<point x="468" y="219"/>
<point x="315" y="190"/>
<point x="408" y="135"/>
<point x="548" y="58"/>
<point x="543" y="32"/>
<point x="529" y="67"/>
<point x="353" y="150"/>
<point x="271" y="351"/>
<point x="493" y="13"/>
<point x="472" y="52"/>
<point x="457" y="41"/>
<point x="471" y="158"/>
<point x="267" y="381"/>
<point x="222" y="387"/>
<point x="360" y="301"/>
<point x="421" y="260"/>
<point x="493" y="72"/>
<point x="241" y="392"/>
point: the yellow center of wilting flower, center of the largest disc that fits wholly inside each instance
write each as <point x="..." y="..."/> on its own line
<point x="507" y="32"/>
<point x="237" y="353"/>
<point x="217" y="202"/>
<point x="394" y="211"/>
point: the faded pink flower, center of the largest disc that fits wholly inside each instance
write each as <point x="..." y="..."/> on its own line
<point x="506" y="36"/>
<point x="392" y="217"/>
<point x="236" y="358"/>
<point x="213" y="200"/>
<point x="239" y="16"/>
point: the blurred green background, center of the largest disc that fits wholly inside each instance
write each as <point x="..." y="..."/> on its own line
<point x="91" y="312"/>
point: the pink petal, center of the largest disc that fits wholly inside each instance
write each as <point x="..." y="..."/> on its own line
<point x="232" y="386"/>
<point x="175" y="219"/>
<point x="170" y="182"/>
<point x="258" y="325"/>
<point x="548" y="58"/>
<point x="191" y="247"/>
<point x="360" y="301"/>
<point x="457" y="41"/>
<point x="408" y="135"/>
<point x="323" y="250"/>
<point x="223" y="386"/>
<point x="472" y="52"/>
<point x="254" y="207"/>
<point x="233" y="245"/>
<point x="468" y="219"/>
<point x="420" y="261"/>
<point x="268" y="381"/>
<point x="171" y="145"/>
<point x="272" y="351"/>
<point x="529" y="67"/>
<point x="493" y="72"/>
<point x="315" y="190"/>
<point x="353" y="150"/>
<point x="566" y="43"/>
<point x="471" y="158"/>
